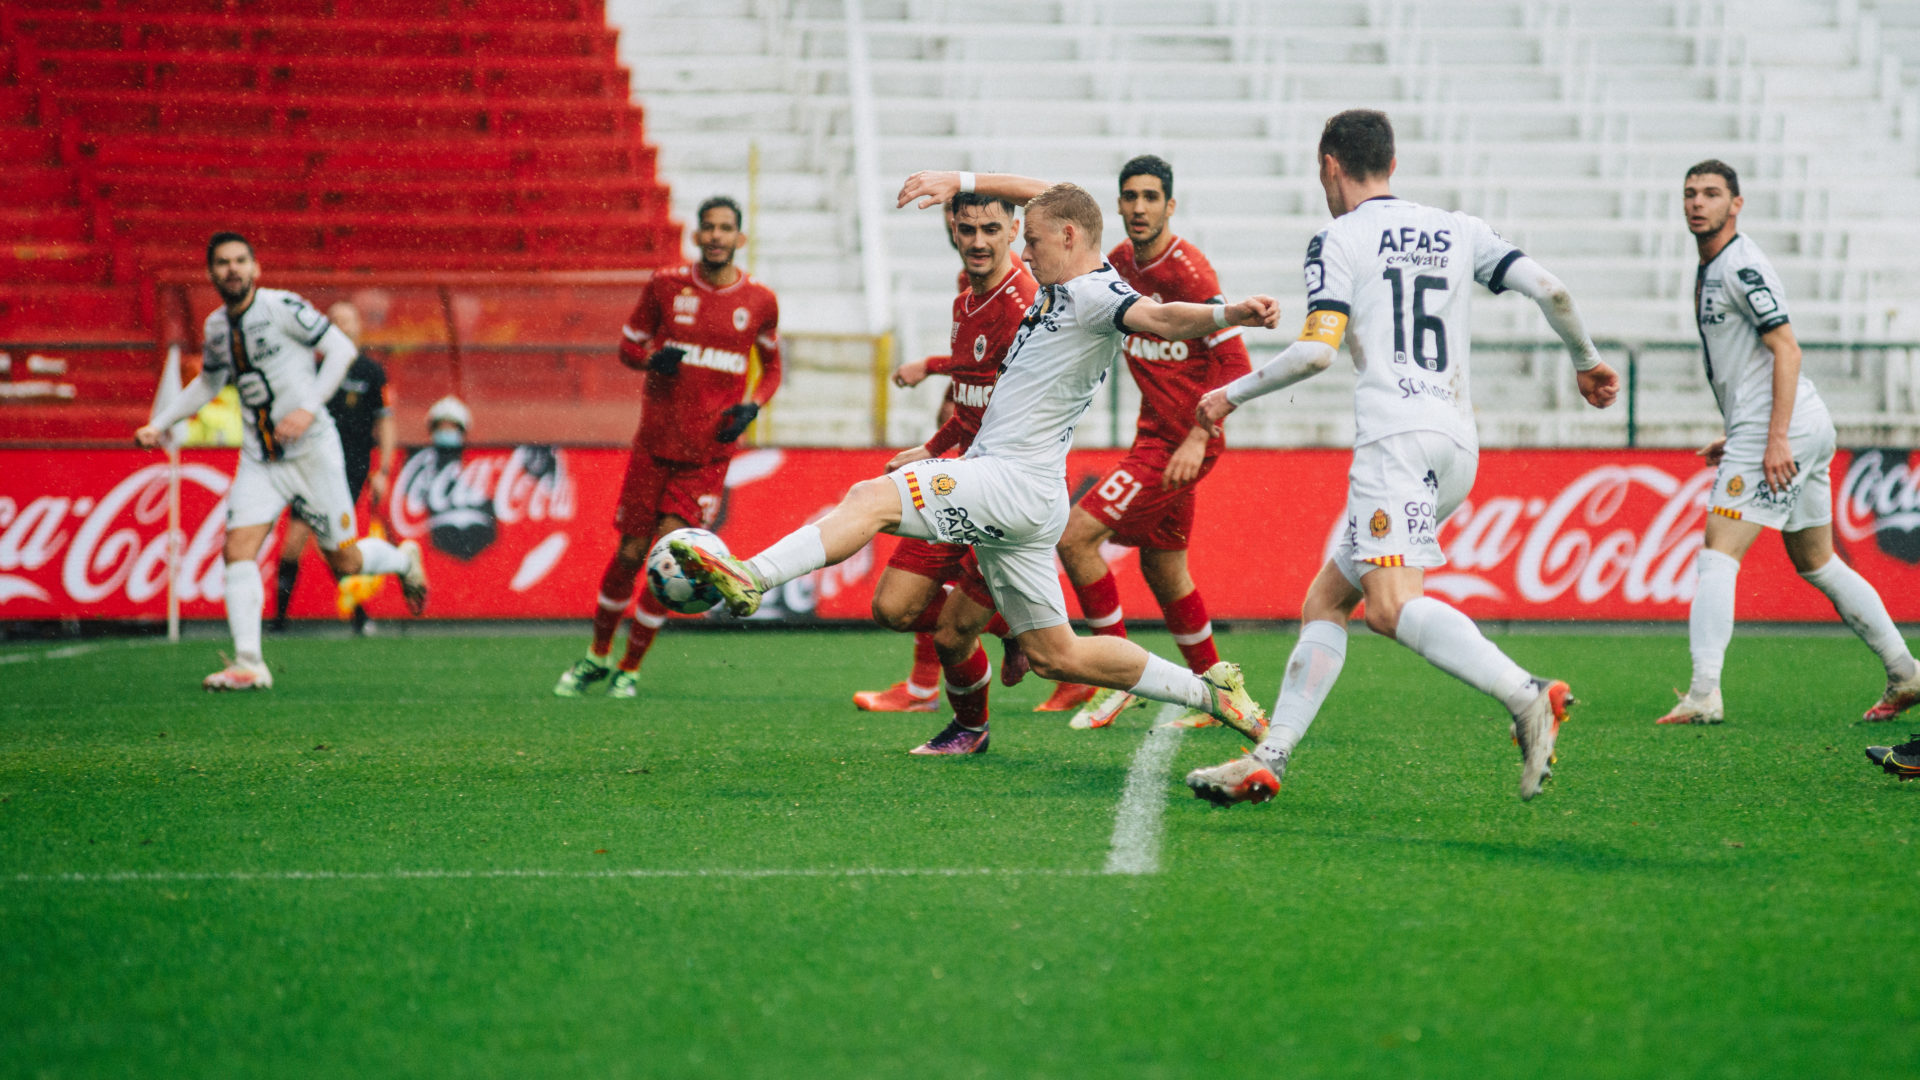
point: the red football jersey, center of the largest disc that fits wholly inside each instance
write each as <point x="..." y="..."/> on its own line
<point x="1173" y="374"/>
<point x="680" y="414"/>
<point x="983" y="328"/>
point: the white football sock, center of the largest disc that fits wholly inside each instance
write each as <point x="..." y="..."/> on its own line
<point x="1860" y="608"/>
<point x="1451" y="642"/>
<point x="798" y="553"/>
<point x="1166" y="681"/>
<point x="245" y="596"/>
<point x="1311" y="671"/>
<point x="1710" y="620"/>
<point x="378" y="557"/>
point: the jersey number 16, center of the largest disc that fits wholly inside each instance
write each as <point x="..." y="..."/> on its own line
<point x="1423" y="323"/>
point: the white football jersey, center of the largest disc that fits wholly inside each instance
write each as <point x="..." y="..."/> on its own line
<point x="1737" y="297"/>
<point x="267" y="354"/>
<point x="1403" y="275"/>
<point x="1057" y="361"/>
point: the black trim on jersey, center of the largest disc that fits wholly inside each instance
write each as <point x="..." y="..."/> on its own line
<point x="1495" y="282"/>
<point x="270" y="447"/>
<point x="1699" y="286"/>
<point x="1771" y="325"/>
<point x="1329" y="305"/>
<point x="1377" y="198"/>
<point x="1120" y="313"/>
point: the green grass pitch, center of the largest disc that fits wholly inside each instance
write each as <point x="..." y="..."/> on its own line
<point x="1696" y="902"/>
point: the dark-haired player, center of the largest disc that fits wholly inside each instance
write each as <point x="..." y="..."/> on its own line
<point x="263" y="341"/>
<point x="996" y="292"/>
<point x="1396" y="280"/>
<point x="1773" y="460"/>
<point x="1147" y="500"/>
<point x="692" y="333"/>
<point x="1007" y="498"/>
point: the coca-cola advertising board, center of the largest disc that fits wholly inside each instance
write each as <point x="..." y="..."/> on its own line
<point x="525" y="532"/>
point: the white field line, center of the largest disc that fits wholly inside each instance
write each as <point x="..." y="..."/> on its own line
<point x="68" y="652"/>
<point x="1136" y="826"/>
<point x="170" y="876"/>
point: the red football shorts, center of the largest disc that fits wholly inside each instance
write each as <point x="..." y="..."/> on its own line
<point x="655" y="486"/>
<point x="940" y="562"/>
<point x="1129" y="500"/>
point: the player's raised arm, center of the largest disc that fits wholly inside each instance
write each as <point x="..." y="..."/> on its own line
<point x="1312" y="354"/>
<point x="1599" y="383"/>
<point x="1181" y="321"/>
<point x="935" y="187"/>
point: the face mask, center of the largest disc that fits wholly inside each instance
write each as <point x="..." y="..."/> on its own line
<point x="449" y="438"/>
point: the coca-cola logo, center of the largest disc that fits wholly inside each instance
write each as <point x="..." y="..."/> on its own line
<point x="1880" y="500"/>
<point x="1593" y="539"/>
<point x="117" y="543"/>
<point x="458" y="500"/>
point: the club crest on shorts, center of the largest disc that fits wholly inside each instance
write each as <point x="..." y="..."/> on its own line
<point x="346" y="520"/>
<point x="1735" y="486"/>
<point x="980" y="347"/>
<point x="740" y="318"/>
<point x="1379" y="524"/>
<point x="943" y="484"/>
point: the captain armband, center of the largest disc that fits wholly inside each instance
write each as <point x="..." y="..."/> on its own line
<point x="1325" y="326"/>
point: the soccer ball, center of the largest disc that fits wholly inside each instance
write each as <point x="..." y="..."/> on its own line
<point x="670" y="585"/>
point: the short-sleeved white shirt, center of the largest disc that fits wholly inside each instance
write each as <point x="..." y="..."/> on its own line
<point x="1403" y="273"/>
<point x="1737" y="297"/>
<point x="267" y="353"/>
<point x="1058" y="359"/>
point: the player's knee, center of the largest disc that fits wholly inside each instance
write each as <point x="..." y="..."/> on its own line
<point x="892" y="616"/>
<point x="953" y="643"/>
<point x="1383" y="616"/>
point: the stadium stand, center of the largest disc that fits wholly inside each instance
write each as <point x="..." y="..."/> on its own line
<point x="1566" y="123"/>
<point x="370" y="140"/>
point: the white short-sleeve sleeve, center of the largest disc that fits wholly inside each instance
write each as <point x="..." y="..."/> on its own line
<point x="1756" y="292"/>
<point x="1329" y="277"/>
<point x="1492" y="253"/>
<point x="300" y="320"/>
<point x="1101" y="300"/>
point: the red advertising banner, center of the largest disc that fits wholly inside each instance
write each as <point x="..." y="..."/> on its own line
<point x="524" y="532"/>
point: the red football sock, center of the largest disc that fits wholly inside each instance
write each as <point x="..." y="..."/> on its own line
<point x="930" y="618"/>
<point x="967" y="689"/>
<point x="648" y="617"/>
<point x="998" y="627"/>
<point x="926" y="667"/>
<point x="1100" y="603"/>
<point x="1191" y="629"/>
<point x="616" y="590"/>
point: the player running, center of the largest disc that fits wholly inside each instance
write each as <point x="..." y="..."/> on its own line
<point x="1402" y="275"/>
<point x="691" y="332"/>
<point x="996" y="292"/>
<point x="1007" y="497"/>
<point x="362" y="411"/>
<point x="263" y="341"/>
<point x="1147" y="500"/>
<point x="1772" y="463"/>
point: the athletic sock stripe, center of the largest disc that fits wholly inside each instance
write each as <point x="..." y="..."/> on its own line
<point x="975" y="688"/>
<point x="610" y="604"/>
<point x="1103" y="621"/>
<point x="916" y="690"/>
<point x="648" y="619"/>
<point x="1196" y="637"/>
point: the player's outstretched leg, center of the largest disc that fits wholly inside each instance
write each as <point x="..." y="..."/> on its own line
<point x="245" y="596"/>
<point x="1451" y="642"/>
<point x="1709" y="630"/>
<point x="377" y="557"/>
<point x="1117" y="663"/>
<point x="1100" y="603"/>
<point x="1860" y="607"/>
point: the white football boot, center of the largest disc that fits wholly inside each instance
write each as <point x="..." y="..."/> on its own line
<point x="1692" y="709"/>
<point x="240" y="675"/>
<point x="413" y="580"/>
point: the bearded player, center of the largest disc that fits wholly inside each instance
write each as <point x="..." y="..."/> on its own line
<point x="1395" y="280"/>
<point x="1007" y="498"/>
<point x="1773" y="461"/>
<point x="691" y="332"/>
<point x="996" y="292"/>
<point x="263" y="341"/>
<point x="1147" y="501"/>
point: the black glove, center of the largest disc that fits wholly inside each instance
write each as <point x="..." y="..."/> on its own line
<point x="736" y="420"/>
<point x="666" y="361"/>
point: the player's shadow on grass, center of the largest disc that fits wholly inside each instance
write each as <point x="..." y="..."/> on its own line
<point x="1554" y="853"/>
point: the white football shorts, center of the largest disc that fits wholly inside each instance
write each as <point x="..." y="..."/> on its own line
<point x="313" y="485"/>
<point x="1010" y="518"/>
<point x="1399" y="490"/>
<point x="1740" y="488"/>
